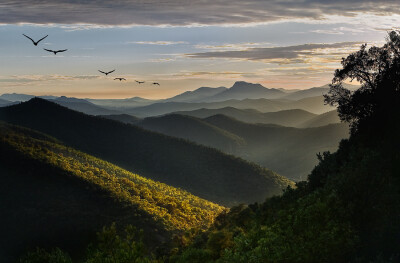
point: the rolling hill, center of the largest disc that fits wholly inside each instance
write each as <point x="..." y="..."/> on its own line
<point x="205" y="172"/>
<point x="194" y="129"/>
<point x="329" y="117"/>
<point x="313" y="104"/>
<point x="125" y="118"/>
<point x="54" y="195"/>
<point x="82" y="105"/>
<point x="289" y="151"/>
<point x="291" y="118"/>
<point x="122" y="103"/>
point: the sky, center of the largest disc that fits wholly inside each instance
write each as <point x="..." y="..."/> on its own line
<point x="181" y="44"/>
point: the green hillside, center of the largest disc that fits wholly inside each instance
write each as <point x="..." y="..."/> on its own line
<point x="53" y="194"/>
<point x="203" y="171"/>
<point x="194" y="129"/>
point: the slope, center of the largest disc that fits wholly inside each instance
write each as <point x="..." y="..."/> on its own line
<point x="244" y="90"/>
<point x="197" y="95"/>
<point x="313" y="104"/>
<point x="193" y="129"/>
<point x="289" y="151"/>
<point x="322" y="119"/>
<point x="83" y="106"/>
<point x="202" y="171"/>
<point x="53" y="194"/>
<point x="290" y="118"/>
<point x="125" y="118"/>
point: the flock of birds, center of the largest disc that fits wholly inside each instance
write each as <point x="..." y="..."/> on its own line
<point x="63" y="50"/>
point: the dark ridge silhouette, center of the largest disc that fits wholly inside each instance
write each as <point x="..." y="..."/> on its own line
<point x="55" y="51"/>
<point x="120" y="79"/>
<point x="35" y="42"/>
<point x="106" y="73"/>
<point x="71" y="204"/>
<point x="203" y="171"/>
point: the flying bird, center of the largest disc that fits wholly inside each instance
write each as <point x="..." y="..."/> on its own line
<point x="35" y="42"/>
<point x="139" y="82"/>
<point x="156" y="83"/>
<point x="55" y="51"/>
<point x="120" y="79"/>
<point x="107" y="72"/>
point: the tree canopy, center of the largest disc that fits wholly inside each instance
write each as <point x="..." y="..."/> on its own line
<point x="378" y="71"/>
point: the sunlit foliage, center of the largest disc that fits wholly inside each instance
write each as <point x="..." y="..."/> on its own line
<point x="176" y="208"/>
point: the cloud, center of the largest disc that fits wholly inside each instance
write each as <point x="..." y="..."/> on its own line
<point x="183" y="12"/>
<point x="305" y="53"/>
<point x="231" y="46"/>
<point x="39" y="78"/>
<point x="158" y="43"/>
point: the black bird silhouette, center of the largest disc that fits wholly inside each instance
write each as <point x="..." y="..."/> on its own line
<point x="35" y="42"/>
<point x="120" y="79"/>
<point x="139" y="82"/>
<point x="107" y="72"/>
<point x="156" y="83"/>
<point x="55" y="51"/>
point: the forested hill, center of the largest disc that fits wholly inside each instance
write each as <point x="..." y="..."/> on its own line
<point x="203" y="171"/>
<point x="348" y="210"/>
<point x="54" y="195"/>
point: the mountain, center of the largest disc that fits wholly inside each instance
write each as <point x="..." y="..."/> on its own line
<point x="52" y="194"/>
<point x="314" y="92"/>
<point x="313" y="104"/>
<point x="203" y="171"/>
<point x="348" y="210"/>
<point x="22" y="97"/>
<point x="124" y="118"/>
<point x="122" y="103"/>
<point x="83" y="106"/>
<point x="289" y="151"/>
<point x="284" y="118"/>
<point x="244" y="90"/>
<point x="4" y="102"/>
<point x="321" y="120"/>
<point x="197" y="95"/>
<point x="193" y="129"/>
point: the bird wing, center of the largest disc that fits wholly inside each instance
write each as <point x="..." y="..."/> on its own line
<point x="48" y="50"/>
<point x="62" y="50"/>
<point x="42" y="38"/>
<point x="111" y="71"/>
<point x="29" y="38"/>
<point x="102" y="72"/>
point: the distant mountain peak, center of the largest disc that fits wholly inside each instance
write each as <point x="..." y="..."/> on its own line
<point x="247" y="85"/>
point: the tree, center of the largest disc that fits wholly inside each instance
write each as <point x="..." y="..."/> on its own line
<point x="378" y="71"/>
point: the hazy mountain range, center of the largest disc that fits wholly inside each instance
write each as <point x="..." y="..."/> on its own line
<point x="241" y="95"/>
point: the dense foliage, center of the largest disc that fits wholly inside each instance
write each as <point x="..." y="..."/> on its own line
<point x="176" y="208"/>
<point x="348" y="210"/>
<point x="52" y="195"/>
<point x="205" y="172"/>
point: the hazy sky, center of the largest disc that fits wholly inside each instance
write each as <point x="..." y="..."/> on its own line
<point x="181" y="44"/>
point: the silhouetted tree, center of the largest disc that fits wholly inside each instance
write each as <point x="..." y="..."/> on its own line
<point x="378" y="71"/>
